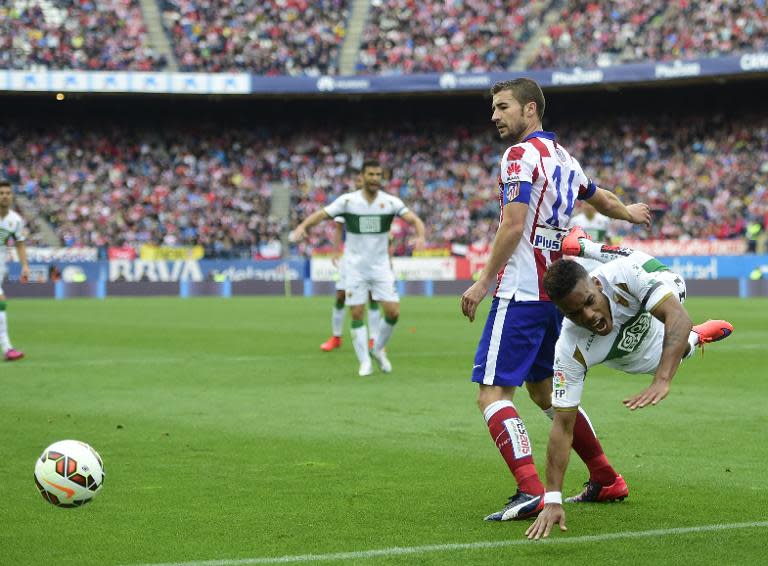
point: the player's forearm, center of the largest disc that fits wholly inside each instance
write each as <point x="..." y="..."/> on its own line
<point x="608" y="204"/>
<point x="418" y="226"/>
<point x="559" y="449"/>
<point x="313" y="219"/>
<point x="21" y="251"/>
<point x="504" y="245"/>
<point x="338" y="240"/>
<point x="677" y="328"/>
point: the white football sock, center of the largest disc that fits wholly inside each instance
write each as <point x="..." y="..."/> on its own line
<point x="693" y="341"/>
<point x="385" y="333"/>
<point x="360" y="342"/>
<point x="337" y="321"/>
<point x="5" y="341"/>
<point x="374" y="321"/>
<point x="592" y="250"/>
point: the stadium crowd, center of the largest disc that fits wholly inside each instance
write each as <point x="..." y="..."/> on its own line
<point x="266" y="37"/>
<point x="703" y="176"/>
<point x="405" y="36"/>
<point x="75" y="34"/>
<point x="604" y="32"/>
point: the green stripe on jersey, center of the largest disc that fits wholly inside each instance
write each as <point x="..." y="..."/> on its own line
<point x="4" y="235"/>
<point x="368" y="223"/>
<point x="653" y="265"/>
<point x="631" y="335"/>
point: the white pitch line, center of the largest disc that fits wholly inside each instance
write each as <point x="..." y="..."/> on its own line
<point x="400" y="550"/>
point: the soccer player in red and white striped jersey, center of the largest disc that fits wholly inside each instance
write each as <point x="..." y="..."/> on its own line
<point x="539" y="183"/>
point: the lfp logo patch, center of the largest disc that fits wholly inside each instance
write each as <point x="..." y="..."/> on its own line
<point x="558" y="384"/>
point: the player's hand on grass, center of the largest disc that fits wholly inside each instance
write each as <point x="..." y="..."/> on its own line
<point x="651" y="396"/>
<point x="640" y="213"/>
<point x="473" y="297"/>
<point x="551" y="514"/>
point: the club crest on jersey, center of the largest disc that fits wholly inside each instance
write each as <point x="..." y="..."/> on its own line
<point x="513" y="191"/>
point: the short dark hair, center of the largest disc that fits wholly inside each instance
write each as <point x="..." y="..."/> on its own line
<point x="370" y="163"/>
<point x="561" y="277"/>
<point x="524" y="91"/>
<point x="5" y="183"/>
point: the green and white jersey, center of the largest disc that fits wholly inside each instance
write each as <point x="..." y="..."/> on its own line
<point x="597" y="226"/>
<point x="635" y="342"/>
<point x="12" y="226"/>
<point x="366" y="247"/>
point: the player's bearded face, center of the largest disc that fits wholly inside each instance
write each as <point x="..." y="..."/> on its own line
<point x="588" y="307"/>
<point x="508" y="116"/>
<point x="372" y="178"/>
<point x="5" y="197"/>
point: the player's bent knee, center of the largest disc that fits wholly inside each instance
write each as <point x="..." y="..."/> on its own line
<point x="488" y="394"/>
<point x="541" y="393"/>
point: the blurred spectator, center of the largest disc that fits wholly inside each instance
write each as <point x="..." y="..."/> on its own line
<point x="75" y="34"/>
<point x="609" y="32"/>
<point x="406" y="36"/>
<point x="266" y="37"/>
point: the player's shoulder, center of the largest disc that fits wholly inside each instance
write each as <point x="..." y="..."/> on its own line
<point x="571" y="334"/>
<point x="523" y="150"/>
<point x="572" y="343"/>
<point x="390" y="198"/>
<point x="13" y="217"/>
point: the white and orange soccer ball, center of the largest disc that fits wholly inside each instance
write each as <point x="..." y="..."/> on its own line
<point x="69" y="473"/>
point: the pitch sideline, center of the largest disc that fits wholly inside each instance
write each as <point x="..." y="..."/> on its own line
<point x="413" y="550"/>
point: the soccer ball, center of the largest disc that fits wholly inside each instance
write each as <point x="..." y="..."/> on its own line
<point x="69" y="473"/>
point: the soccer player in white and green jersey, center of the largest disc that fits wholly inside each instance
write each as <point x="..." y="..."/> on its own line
<point x="629" y="316"/>
<point x="11" y="227"/>
<point x="368" y="214"/>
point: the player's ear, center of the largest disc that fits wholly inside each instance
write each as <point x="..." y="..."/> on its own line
<point x="597" y="283"/>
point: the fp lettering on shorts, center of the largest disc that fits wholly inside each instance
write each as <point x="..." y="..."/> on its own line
<point x="548" y="239"/>
<point x="520" y="442"/>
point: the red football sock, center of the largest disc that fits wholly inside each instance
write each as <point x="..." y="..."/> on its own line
<point x="511" y="438"/>
<point x="588" y="447"/>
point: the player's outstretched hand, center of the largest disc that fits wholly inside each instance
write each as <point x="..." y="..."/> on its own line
<point x="651" y="396"/>
<point x="24" y="277"/>
<point x="418" y="244"/>
<point x="551" y="514"/>
<point x="297" y="235"/>
<point x="472" y="297"/>
<point x="640" y="213"/>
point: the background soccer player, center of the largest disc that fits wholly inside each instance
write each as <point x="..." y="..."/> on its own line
<point x="596" y="225"/>
<point x="623" y="316"/>
<point x="11" y="227"/>
<point x="368" y="215"/>
<point x="539" y="183"/>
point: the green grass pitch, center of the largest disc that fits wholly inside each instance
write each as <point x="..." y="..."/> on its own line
<point x="228" y="435"/>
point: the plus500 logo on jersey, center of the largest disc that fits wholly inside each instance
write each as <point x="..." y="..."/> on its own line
<point x="547" y="239"/>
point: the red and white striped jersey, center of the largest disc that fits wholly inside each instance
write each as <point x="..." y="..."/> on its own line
<point x="540" y="172"/>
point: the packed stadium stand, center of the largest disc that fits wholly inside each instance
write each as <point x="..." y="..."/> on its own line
<point x="302" y="37"/>
<point x="403" y="36"/>
<point x="603" y="32"/>
<point x="100" y="181"/>
<point x="73" y="34"/>
<point x="266" y="37"/>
